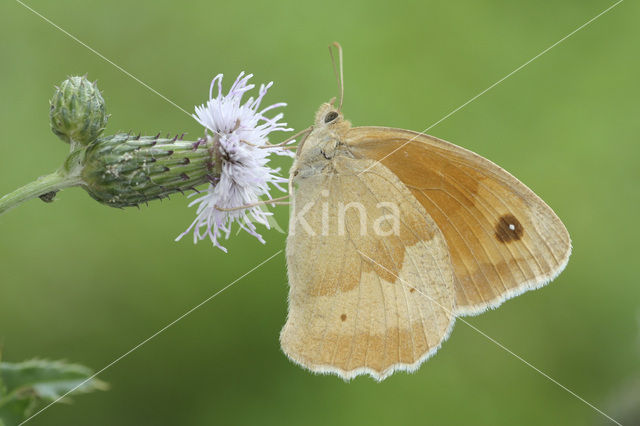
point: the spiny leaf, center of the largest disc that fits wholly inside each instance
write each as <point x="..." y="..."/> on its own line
<point x="23" y="385"/>
<point x="47" y="380"/>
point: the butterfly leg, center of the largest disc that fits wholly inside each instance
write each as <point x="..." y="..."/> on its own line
<point x="272" y="201"/>
<point x="282" y="144"/>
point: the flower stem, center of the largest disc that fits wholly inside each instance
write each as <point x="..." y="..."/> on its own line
<point x="44" y="185"/>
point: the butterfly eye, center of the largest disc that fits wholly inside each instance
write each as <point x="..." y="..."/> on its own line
<point x="330" y="117"/>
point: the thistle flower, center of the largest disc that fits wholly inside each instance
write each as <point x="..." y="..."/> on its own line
<point x="124" y="170"/>
<point x="240" y="131"/>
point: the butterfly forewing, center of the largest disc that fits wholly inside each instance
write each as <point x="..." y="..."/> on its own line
<point x="502" y="238"/>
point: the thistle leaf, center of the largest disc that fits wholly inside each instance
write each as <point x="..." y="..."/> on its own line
<point x="25" y="384"/>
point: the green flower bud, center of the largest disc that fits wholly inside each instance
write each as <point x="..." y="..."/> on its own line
<point x="125" y="170"/>
<point x="77" y="111"/>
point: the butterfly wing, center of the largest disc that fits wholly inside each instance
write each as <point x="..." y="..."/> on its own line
<point x="502" y="238"/>
<point x="371" y="282"/>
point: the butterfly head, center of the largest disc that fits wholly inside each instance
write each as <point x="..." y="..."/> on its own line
<point x="331" y="119"/>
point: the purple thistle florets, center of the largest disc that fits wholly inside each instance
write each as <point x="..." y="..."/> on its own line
<point x="242" y="131"/>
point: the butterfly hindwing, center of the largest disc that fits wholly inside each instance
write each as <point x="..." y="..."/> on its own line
<point x="365" y="297"/>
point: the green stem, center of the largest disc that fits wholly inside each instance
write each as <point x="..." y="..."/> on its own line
<point x="43" y="185"/>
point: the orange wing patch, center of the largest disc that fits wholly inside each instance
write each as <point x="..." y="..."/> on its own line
<point x="502" y="238"/>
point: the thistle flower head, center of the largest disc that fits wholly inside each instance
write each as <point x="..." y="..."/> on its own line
<point x="77" y="111"/>
<point x="240" y="132"/>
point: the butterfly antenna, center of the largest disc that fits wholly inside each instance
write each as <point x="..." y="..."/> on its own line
<point x="339" y="74"/>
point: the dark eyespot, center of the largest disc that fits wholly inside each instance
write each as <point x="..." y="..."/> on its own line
<point x="509" y="229"/>
<point x="330" y="117"/>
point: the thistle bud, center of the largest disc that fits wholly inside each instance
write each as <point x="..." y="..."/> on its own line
<point x="77" y="111"/>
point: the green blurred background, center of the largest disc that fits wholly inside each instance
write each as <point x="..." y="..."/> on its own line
<point x="84" y="282"/>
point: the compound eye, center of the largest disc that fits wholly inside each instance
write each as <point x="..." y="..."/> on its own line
<point x="330" y="117"/>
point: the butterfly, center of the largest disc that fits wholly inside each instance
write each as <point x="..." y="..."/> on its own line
<point x="392" y="235"/>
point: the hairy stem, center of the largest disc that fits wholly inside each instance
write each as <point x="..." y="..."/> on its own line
<point x="40" y="187"/>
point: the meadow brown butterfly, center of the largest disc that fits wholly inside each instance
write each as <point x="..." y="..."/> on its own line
<point x="393" y="234"/>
